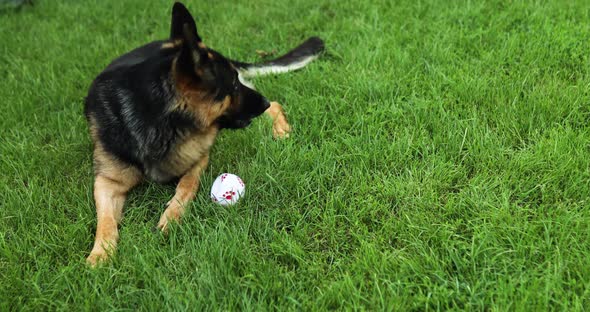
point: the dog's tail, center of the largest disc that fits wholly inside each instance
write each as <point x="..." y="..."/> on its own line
<point x="293" y="60"/>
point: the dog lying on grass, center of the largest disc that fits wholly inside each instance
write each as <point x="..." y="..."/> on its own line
<point x="155" y="112"/>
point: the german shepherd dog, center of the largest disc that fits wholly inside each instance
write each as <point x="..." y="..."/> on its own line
<point x="154" y="113"/>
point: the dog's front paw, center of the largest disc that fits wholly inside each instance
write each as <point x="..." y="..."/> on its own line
<point x="97" y="257"/>
<point x="280" y="127"/>
<point x="171" y="214"/>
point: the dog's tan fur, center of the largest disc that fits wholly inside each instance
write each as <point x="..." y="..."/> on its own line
<point x="171" y="44"/>
<point x="185" y="192"/>
<point x="112" y="182"/>
<point x="195" y="147"/>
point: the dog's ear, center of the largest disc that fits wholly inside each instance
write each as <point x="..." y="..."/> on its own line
<point x="182" y="18"/>
<point x="193" y="55"/>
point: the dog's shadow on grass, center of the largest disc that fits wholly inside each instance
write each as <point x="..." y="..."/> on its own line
<point x="12" y="6"/>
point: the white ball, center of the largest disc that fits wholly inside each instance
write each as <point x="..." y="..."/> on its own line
<point x="227" y="189"/>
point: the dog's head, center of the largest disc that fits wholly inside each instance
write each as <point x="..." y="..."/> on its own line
<point x="207" y="82"/>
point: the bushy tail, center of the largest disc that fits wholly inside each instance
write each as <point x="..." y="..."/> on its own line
<point x="293" y="60"/>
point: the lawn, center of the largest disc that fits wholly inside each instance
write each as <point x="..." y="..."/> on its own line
<point x="440" y="160"/>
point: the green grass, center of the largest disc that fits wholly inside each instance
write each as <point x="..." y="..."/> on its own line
<point x="440" y="160"/>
